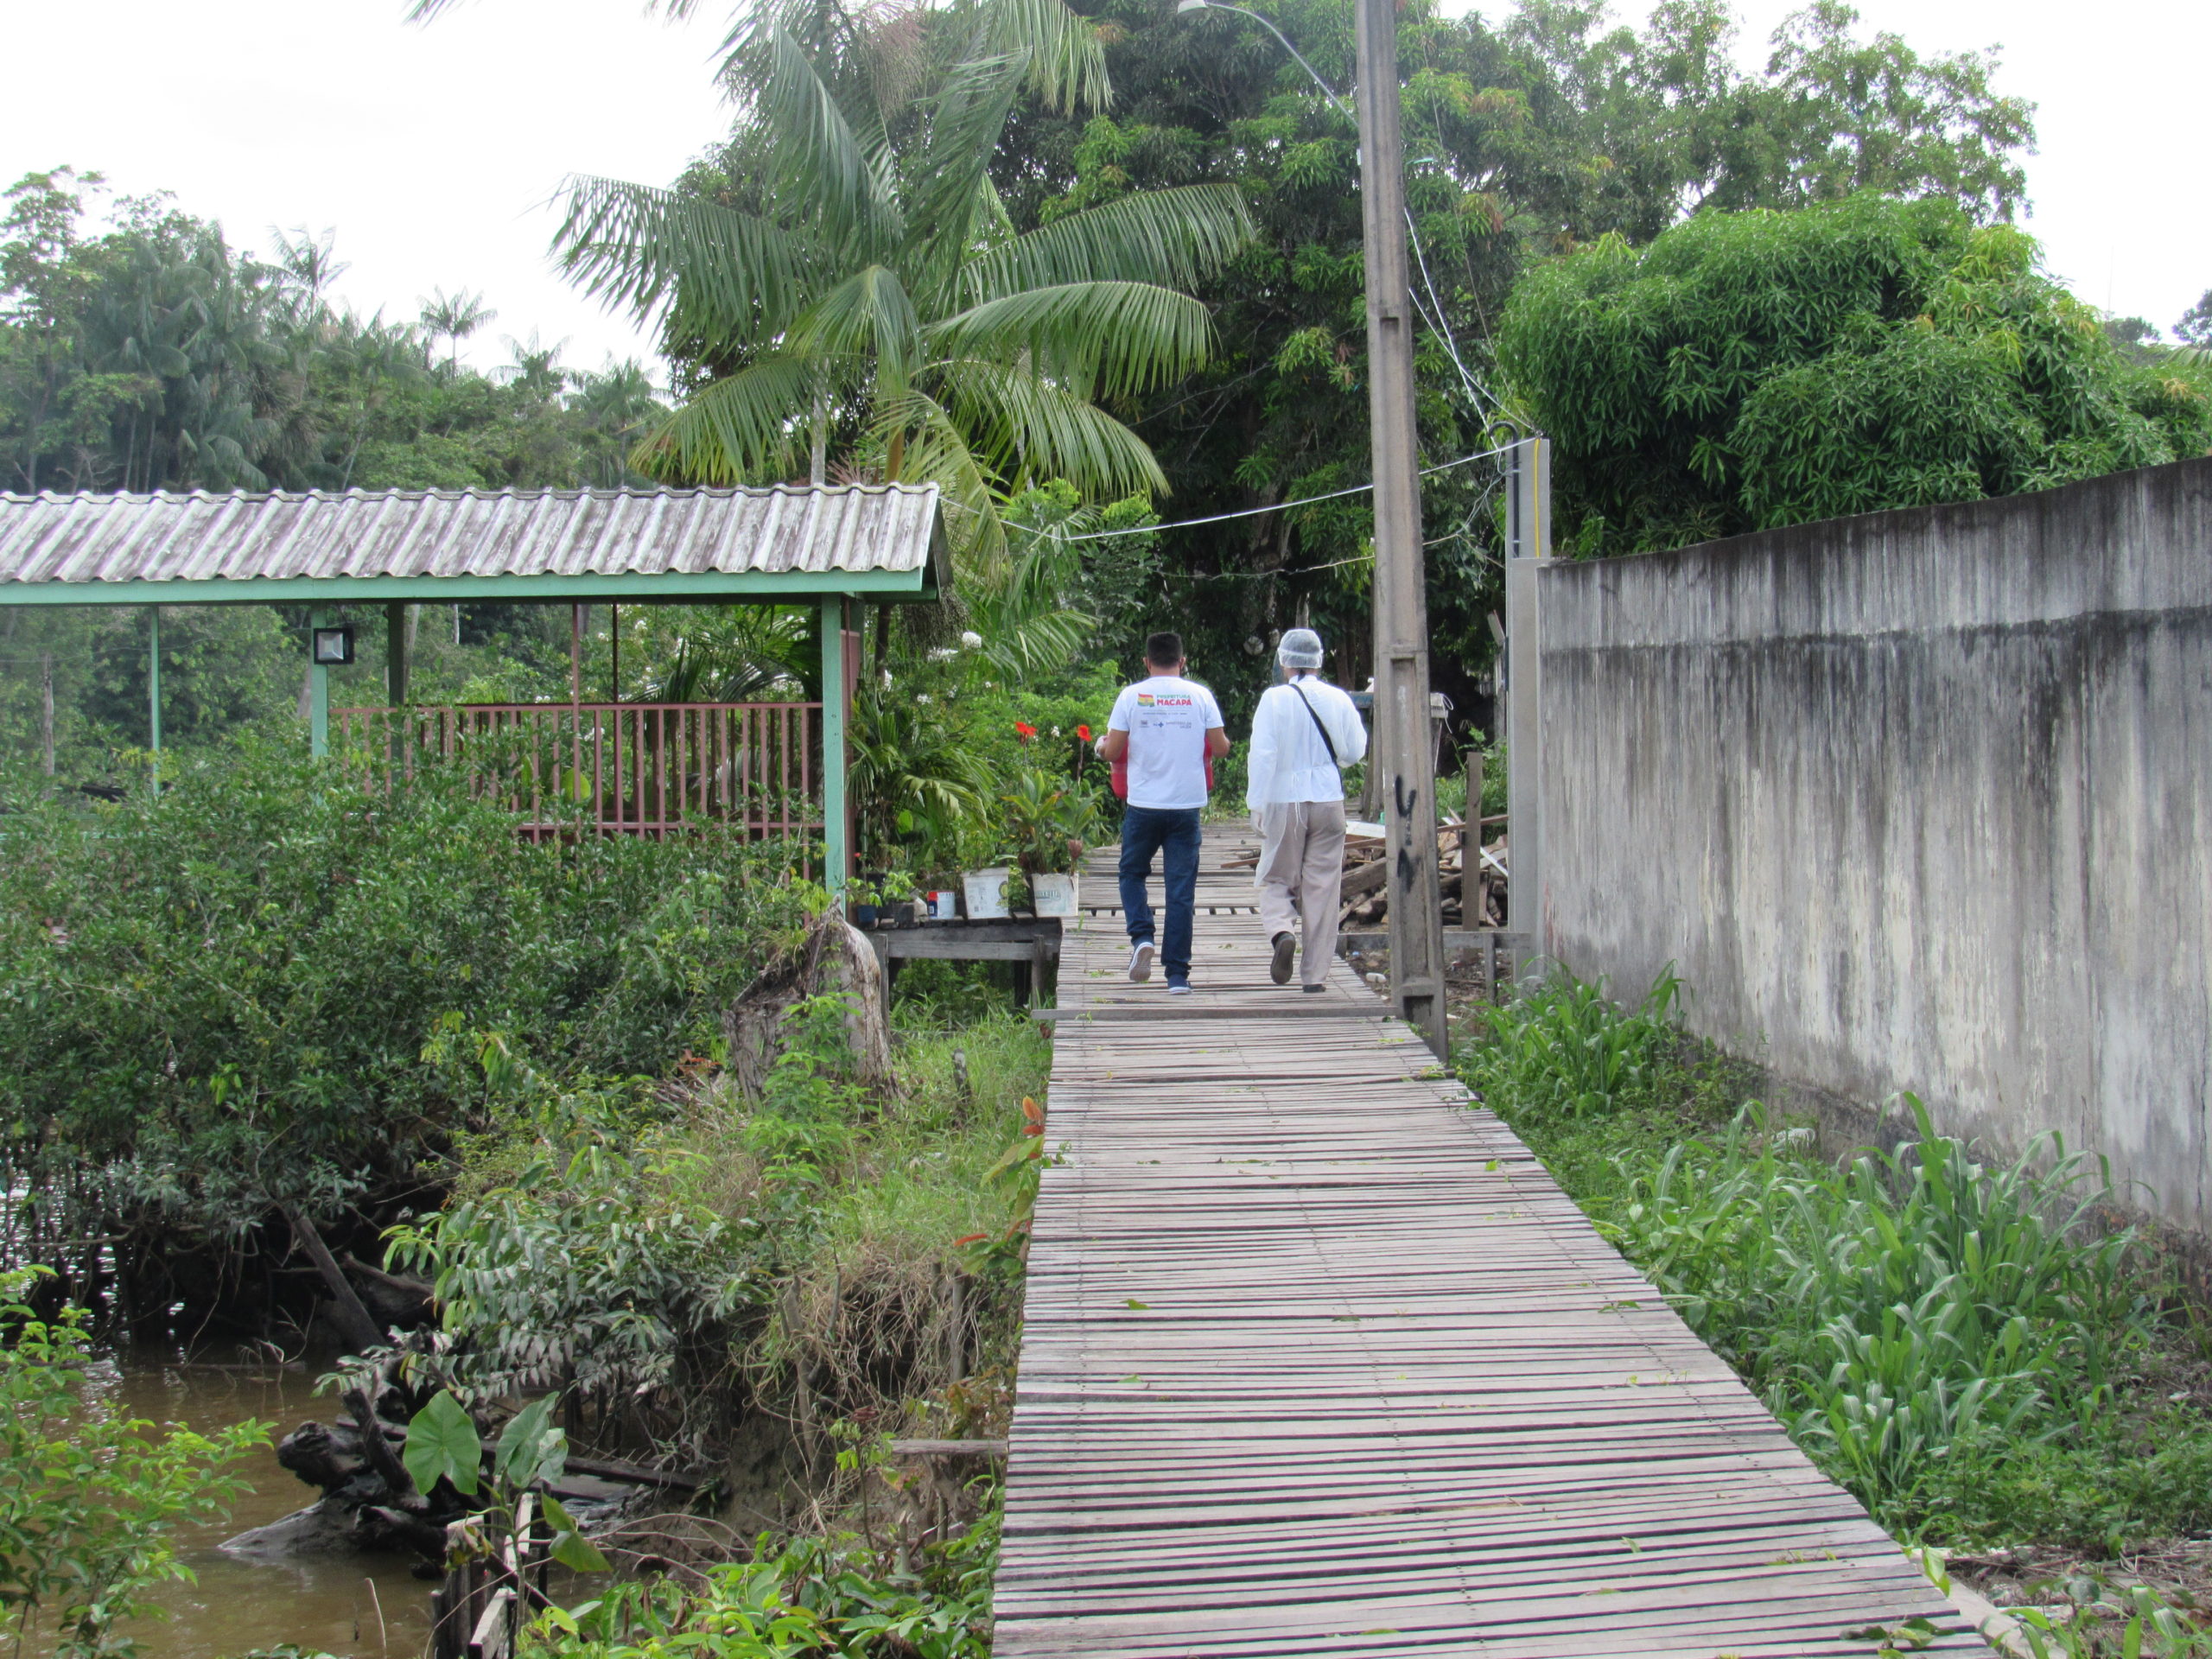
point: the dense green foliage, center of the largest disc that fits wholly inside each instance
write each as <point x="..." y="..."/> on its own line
<point x="808" y="1599"/>
<point x="152" y="355"/>
<point x="88" y="1498"/>
<point x="1957" y="1341"/>
<point x="274" y="985"/>
<point x="1527" y="133"/>
<point x="714" y="1245"/>
<point x="1757" y="369"/>
<point x="848" y="284"/>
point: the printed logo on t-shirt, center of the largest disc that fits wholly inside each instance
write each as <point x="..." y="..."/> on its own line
<point x="1144" y="699"/>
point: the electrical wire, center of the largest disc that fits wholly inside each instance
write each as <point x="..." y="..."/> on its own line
<point x="1280" y="506"/>
<point x="1433" y="314"/>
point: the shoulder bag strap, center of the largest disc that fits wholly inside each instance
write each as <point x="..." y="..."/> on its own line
<point x="1326" y="741"/>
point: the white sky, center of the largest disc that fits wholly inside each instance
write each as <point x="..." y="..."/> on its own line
<point x="433" y="149"/>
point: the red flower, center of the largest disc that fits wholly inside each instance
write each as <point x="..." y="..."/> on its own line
<point x="1024" y="730"/>
<point x="1084" y="732"/>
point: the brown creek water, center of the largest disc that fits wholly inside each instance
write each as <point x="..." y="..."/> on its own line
<point x="357" y="1606"/>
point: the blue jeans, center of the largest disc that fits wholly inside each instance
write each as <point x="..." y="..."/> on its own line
<point x="1174" y="834"/>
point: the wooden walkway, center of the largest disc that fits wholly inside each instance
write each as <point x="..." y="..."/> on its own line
<point x="1317" y="1360"/>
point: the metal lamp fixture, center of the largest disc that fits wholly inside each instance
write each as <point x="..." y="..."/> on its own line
<point x="332" y="647"/>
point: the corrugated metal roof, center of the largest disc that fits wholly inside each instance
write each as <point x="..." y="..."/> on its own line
<point x="782" y="529"/>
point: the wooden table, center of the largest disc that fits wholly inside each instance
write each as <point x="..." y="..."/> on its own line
<point x="1032" y="943"/>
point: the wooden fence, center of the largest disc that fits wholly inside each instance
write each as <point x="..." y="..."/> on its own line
<point x="613" y="768"/>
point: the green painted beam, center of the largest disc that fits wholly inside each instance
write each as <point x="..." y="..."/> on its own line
<point x="782" y="586"/>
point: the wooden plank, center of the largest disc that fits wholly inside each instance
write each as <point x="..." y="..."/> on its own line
<point x="1317" y="1359"/>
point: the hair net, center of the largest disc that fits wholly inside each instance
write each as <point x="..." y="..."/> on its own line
<point x="1300" y="648"/>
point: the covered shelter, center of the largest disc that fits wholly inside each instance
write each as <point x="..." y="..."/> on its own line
<point x="831" y="547"/>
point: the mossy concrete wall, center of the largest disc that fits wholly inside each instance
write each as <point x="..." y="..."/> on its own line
<point x="1919" y="800"/>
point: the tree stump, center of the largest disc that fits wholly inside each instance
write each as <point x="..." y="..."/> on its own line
<point x="835" y="958"/>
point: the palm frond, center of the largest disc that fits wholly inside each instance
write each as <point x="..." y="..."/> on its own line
<point x="818" y="157"/>
<point x="938" y="451"/>
<point x="1175" y="237"/>
<point x="733" y="276"/>
<point x="1026" y="428"/>
<point x="867" y="317"/>
<point x="1096" y="339"/>
<point x="966" y="124"/>
<point x="744" y="427"/>
<point x="1065" y="52"/>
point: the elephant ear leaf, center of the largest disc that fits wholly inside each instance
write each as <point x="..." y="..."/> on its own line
<point x="442" y="1444"/>
<point x="531" y="1448"/>
<point x="570" y="1548"/>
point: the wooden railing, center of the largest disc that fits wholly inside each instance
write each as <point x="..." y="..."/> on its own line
<point x="614" y="768"/>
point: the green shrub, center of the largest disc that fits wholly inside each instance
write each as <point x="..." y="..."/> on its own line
<point x="1565" y="1048"/>
<point x="87" y="1498"/>
<point x="224" y="1000"/>
<point x="811" y="1597"/>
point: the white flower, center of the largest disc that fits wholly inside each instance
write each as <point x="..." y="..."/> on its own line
<point x="970" y="640"/>
<point x="1055" y="731"/>
<point x="887" y="679"/>
<point x="921" y="697"/>
<point x="943" y="654"/>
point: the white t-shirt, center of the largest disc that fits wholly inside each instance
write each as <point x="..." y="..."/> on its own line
<point x="1167" y="718"/>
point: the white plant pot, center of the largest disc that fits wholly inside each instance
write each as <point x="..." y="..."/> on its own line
<point x="1055" y="895"/>
<point x="986" y="893"/>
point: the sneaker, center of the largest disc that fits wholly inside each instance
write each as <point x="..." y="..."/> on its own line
<point x="1141" y="962"/>
<point x="1279" y="969"/>
<point x="1315" y="990"/>
<point x="1178" y="985"/>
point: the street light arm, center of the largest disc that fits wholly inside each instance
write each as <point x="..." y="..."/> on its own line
<point x="1341" y="107"/>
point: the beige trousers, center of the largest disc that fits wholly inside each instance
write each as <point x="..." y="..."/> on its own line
<point x="1302" y="856"/>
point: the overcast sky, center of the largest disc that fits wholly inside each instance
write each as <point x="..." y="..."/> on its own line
<point x="433" y="149"/>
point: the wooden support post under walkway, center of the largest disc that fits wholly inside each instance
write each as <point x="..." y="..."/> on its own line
<point x="1317" y="1360"/>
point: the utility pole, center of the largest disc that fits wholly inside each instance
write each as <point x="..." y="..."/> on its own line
<point x="1528" y="548"/>
<point x="1404" y="753"/>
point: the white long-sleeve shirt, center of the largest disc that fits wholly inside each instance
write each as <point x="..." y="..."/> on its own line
<point x="1288" y="761"/>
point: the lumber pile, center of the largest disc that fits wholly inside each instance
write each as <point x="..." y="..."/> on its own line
<point x="1472" y="871"/>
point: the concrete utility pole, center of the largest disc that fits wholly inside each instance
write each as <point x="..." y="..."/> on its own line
<point x="1404" y="751"/>
<point x="1528" y="547"/>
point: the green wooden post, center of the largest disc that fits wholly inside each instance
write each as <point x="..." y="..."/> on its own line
<point x="154" y="693"/>
<point x="837" y="855"/>
<point x="396" y="665"/>
<point x="318" y="692"/>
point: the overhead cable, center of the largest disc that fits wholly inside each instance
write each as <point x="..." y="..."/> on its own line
<point x="1280" y="506"/>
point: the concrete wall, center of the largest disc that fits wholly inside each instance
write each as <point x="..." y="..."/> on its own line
<point x="1919" y="800"/>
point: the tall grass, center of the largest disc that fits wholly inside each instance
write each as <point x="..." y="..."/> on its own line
<point x="1901" y="1306"/>
<point x="1921" y="1320"/>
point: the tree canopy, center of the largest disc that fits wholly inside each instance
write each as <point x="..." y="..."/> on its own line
<point x="1527" y="135"/>
<point x="1763" y="368"/>
<point x="151" y="354"/>
<point x="848" y="283"/>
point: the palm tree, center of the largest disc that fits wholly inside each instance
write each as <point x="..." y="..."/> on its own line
<point x="873" y="288"/>
<point x="454" y="317"/>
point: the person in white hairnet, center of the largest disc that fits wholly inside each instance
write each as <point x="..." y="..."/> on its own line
<point x="1305" y="734"/>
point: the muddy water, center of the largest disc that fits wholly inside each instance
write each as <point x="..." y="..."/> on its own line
<point x="358" y="1606"/>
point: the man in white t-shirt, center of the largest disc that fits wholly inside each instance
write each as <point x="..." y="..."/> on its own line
<point x="1167" y="727"/>
<point x="1304" y="733"/>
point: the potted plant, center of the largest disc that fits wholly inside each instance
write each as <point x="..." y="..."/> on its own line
<point x="1047" y="822"/>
